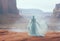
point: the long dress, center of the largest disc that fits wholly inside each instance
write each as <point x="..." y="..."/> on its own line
<point x="36" y="29"/>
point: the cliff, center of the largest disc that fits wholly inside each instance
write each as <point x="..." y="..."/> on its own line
<point x="54" y="23"/>
<point x="8" y="11"/>
<point x="56" y="11"/>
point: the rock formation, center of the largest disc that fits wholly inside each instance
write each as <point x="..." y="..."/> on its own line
<point x="55" y="19"/>
<point x="8" y="11"/>
<point x="56" y="11"/>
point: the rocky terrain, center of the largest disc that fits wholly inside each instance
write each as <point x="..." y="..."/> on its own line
<point x="54" y="21"/>
<point x="23" y="36"/>
<point x="12" y="21"/>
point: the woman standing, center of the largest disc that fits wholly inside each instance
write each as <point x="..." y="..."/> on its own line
<point x="36" y="29"/>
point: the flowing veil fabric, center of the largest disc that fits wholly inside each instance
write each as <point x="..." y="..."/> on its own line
<point x="36" y="28"/>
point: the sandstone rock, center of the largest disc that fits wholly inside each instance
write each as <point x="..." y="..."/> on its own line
<point x="54" y="23"/>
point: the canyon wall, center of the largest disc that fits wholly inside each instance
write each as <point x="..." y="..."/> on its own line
<point x="8" y="11"/>
<point x="54" y="23"/>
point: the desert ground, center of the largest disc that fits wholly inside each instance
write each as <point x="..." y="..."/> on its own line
<point x="23" y="36"/>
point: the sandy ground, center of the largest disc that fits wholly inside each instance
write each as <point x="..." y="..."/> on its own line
<point x="23" y="36"/>
<point x="12" y="36"/>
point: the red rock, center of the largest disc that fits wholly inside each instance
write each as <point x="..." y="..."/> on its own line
<point x="23" y="36"/>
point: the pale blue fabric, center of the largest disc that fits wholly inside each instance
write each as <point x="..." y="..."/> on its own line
<point x="37" y="28"/>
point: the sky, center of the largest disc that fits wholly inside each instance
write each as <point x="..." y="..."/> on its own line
<point x="45" y="5"/>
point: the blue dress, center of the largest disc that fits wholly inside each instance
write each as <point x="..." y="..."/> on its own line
<point x="36" y="29"/>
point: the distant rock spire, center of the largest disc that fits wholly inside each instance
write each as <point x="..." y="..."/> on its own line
<point x="54" y="23"/>
<point x="56" y="11"/>
<point x="57" y="6"/>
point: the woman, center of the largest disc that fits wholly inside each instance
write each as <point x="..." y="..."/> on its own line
<point x="37" y="29"/>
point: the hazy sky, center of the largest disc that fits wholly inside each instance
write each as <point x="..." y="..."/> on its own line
<point x="45" y="5"/>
